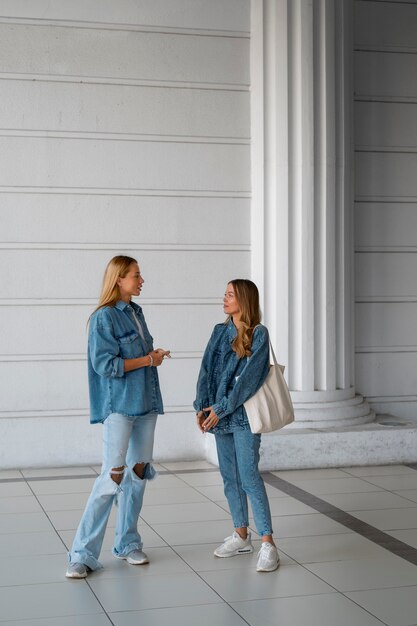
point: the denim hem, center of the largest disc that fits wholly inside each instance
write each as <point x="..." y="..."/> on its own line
<point x="136" y="545"/>
<point x="243" y="525"/>
<point x="86" y="559"/>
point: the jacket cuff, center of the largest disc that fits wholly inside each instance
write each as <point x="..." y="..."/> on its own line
<point x="199" y="405"/>
<point x="220" y="409"/>
<point x="118" y="368"/>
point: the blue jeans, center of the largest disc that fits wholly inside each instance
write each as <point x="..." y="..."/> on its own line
<point x="126" y="442"/>
<point x="238" y="454"/>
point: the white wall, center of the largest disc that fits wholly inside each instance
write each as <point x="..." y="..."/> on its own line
<point x="386" y="205"/>
<point x="124" y="128"/>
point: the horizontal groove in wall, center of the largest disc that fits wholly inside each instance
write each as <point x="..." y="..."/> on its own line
<point x="387" y="199"/>
<point x="389" y="1"/>
<point x="62" y="357"/>
<point x="388" y="99"/>
<point x="385" y="299"/>
<point x="385" y="49"/>
<point x="384" y="349"/>
<point x="135" y="82"/>
<point x="137" y="28"/>
<point x="27" y="358"/>
<point x="385" y="249"/>
<point x="113" y="191"/>
<point x="103" y="136"/>
<point x="78" y="412"/>
<point x="390" y="149"/>
<point x="154" y="247"/>
<point x="92" y="302"/>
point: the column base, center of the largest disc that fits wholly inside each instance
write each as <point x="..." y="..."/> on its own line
<point x="324" y="409"/>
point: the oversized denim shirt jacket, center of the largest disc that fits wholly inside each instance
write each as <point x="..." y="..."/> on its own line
<point x="226" y="381"/>
<point x="113" y="337"/>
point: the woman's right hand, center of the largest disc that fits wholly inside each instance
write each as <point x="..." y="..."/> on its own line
<point x="158" y="356"/>
<point x="200" y="417"/>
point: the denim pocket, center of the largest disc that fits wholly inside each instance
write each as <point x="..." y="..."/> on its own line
<point x="129" y="346"/>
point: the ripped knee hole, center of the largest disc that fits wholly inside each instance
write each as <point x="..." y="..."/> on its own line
<point x="139" y="469"/>
<point x="116" y="474"/>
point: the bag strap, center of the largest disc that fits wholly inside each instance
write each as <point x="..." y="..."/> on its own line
<point x="271" y="351"/>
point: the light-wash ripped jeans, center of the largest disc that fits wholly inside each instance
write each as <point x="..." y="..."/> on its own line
<point x="126" y="442"/>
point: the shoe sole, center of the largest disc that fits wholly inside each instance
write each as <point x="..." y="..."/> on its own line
<point x="137" y="562"/>
<point x="235" y="553"/>
<point x="270" y="569"/>
<point x="76" y="575"/>
<point x="131" y="561"/>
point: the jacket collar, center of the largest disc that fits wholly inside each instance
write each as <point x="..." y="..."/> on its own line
<point x="122" y="305"/>
<point x="231" y="329"/>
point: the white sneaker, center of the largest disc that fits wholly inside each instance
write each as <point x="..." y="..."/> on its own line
<point x="234" y="545"/>
<point x="136" y="557"/>
<point x="268" y="558"/>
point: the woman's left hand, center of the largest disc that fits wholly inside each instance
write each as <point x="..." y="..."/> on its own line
<point x="210" y="421"/>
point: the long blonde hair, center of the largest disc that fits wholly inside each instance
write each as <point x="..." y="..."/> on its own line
<point x="247" y="295"/>
<point x="116" y="268"/>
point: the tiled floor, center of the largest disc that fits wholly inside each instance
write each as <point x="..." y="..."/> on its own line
<point x="347" y="538"/>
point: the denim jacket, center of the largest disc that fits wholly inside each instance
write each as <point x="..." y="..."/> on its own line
<point x="113" y="337"/>
<point x="226" y="381"/>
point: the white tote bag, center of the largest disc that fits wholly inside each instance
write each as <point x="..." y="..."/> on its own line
<point x="270" y="408"/>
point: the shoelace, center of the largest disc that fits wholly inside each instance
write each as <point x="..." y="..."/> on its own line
<point x="267" y="547"/>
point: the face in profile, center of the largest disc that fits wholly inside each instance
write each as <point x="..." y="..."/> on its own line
<point x="230" y="303"/>
<point x="131" y="285"/>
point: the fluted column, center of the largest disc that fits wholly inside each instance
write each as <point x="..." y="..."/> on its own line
<point x="303" y="253"/>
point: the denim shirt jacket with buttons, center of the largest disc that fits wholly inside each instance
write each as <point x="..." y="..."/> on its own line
<point x="226" y="381"/>
<point x="114" y="337"/>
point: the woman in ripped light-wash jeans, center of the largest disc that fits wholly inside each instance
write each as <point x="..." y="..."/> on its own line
<point x="125" y="397"/>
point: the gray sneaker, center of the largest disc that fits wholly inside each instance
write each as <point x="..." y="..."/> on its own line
<point x="77" y="570"/>
<point x="234" y="545"/>
<point x="136" y="557"/>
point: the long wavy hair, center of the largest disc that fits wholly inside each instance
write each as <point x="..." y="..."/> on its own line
<point x="247" y="295"/>
<point x="116" y="268"/>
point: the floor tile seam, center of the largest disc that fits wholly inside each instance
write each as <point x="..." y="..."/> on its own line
<point x="164" y="608"/>
<point x="99" y="601"/>
<point x="307" y="595"/>
<point x="413" y="505"/>
<point x="326" y="582"/>
<point x="205" y="582"/>
<point x="346" y="592"/>
<point x="46" y="478"/>
<point x="192" y="569"/>
<point x="204" y="470"/>
<point x="340" y="593"/>
<point x="393" y="493"/>
<point x="78" y="476"/>
<point x="379" y="488"/>
<point x="366" y="478"/>
<point x="294" y="563"/>
<point x="56" y="530"/>
<point x="66" y="552"/>
<point x="390" y="543"/>
<point x="366" y="610"/>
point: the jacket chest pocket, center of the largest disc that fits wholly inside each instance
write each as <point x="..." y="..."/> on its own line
<point x="130" y="346"/>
